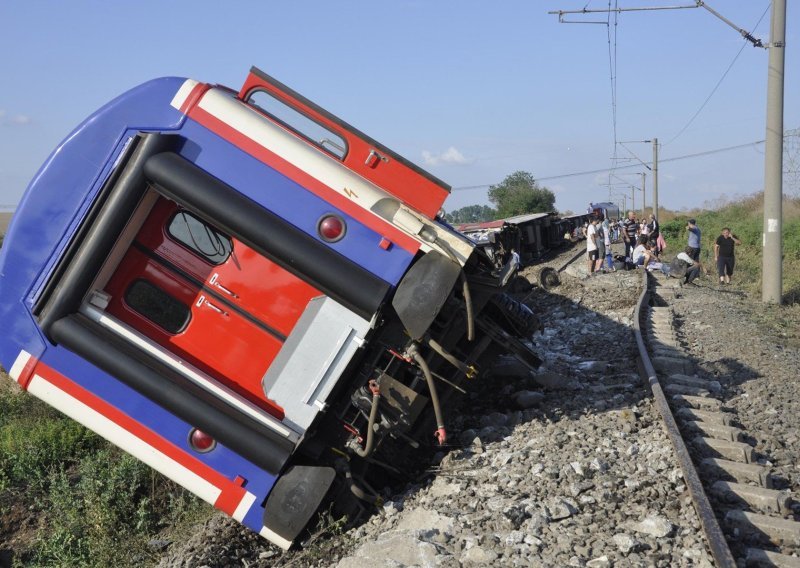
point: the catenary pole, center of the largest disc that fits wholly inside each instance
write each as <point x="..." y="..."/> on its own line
<point x="772" y="261"/>
<point x="644" y="196"/>
<point x="655" y="177"/>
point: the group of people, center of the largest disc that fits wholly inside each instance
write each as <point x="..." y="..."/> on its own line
<point x="641" y="240"/>
<point x="644" y="244"/>
<point x="724" y="253"/>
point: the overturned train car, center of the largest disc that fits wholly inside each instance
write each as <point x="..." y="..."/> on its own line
<point x="249" y="295"/>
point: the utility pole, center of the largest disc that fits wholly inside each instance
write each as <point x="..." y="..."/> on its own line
<point x="772" y="256"/>
<point x="644" y="196"/>
<point x="655" y="177"/>
<point x="633" y="198"/>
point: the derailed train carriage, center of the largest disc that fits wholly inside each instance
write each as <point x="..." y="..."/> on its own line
<point x="249" y="295"/>
<point x="531" y="235"/>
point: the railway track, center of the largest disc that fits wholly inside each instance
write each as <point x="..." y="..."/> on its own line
<point x="745" y="520"/>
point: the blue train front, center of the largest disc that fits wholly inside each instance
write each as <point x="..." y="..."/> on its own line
<point x="249" y="295"/>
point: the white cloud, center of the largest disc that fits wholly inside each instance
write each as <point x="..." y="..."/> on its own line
<point x="450" y="156"/>
<point x="16" y="120"/>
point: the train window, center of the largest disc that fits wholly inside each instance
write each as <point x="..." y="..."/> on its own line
<point x="157" y="306"/>
<point x="299" y="123"/>
<point x="200" y="237"/>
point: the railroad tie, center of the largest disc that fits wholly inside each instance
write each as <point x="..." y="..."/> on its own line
<point x="740" y="472"/>
<point x="673" y="388"/>
<point x="686" y="413"/>
<point x="778" y="531"/>
<point x="699" y="402"/>
<point x="758" y="498"/>
<point x="735" y="451"/>
<point x="672" y="365"/>
<point x="718" y="431"/>
<point x="697" y="382"/>
<point x="759" y="557"/>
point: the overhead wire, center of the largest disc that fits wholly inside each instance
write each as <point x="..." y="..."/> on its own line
<point x="714" y="90"/>
<point x="604" y="170"/>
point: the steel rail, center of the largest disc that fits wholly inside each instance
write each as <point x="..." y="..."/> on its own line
<point x="713" y="533"/>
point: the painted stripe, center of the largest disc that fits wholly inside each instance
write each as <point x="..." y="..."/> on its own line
<point x="141" y="442"/>
<point x="244" y="506"/>
<point x="319" y="173"/>
<point x="54" y="392"/>
<point x="229" y="500"/>
<point x="183" y="93"/>
<point x="207" y="383"/>
<point x="275" y="538"/>
<point x="19" y="365"/>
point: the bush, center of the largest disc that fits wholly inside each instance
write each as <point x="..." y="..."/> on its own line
<point x="96" y="520"/>
<point x="36" y="441"/>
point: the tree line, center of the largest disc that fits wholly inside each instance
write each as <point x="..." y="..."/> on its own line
<point x="517" y="194"/>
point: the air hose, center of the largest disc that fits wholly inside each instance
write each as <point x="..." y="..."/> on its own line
<point x="356" y="489"/>
<point x="373" y="413"/>
<point x="468" y="303"/>
<point x="441" y="433"/>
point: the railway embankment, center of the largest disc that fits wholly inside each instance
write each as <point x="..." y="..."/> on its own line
<point x="572" y="467"/>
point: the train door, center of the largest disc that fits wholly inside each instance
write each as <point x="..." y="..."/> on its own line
<point x="207" y="298"/>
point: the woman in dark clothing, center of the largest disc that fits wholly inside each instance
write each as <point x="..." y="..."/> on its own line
<point x="652" y="233"/>
<point x="724" y="255"/>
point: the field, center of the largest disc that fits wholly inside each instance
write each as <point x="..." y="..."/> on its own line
<point x="5" y="219"/>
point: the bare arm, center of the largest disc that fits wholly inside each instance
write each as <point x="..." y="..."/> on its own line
<point x="716" y="251"/>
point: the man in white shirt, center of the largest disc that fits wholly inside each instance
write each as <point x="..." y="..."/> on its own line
<point x="591" y="243"/>
<point x="692" y="270"/>
<point x="641" y="255"/>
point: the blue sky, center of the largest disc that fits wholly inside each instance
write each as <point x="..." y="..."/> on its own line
<point x="471" y="91"/>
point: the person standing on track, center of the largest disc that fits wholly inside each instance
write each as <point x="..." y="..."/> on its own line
<point x="724" y="254"/>
<point x="630" y="230"/>
<point x="591" y="244"/>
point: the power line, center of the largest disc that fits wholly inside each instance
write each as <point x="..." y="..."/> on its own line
<point x="714" y="90"/>
<point x="604" y="170"/>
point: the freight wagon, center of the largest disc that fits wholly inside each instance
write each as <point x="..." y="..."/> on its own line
<point x="249" y="295"/>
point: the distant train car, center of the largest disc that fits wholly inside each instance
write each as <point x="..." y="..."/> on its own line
<point x="249" y="295"/>
<point x="604" y="210"/>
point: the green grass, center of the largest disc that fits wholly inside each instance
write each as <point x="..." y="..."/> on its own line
<point x="95" y="505"/>
<point x="745" y="219"/>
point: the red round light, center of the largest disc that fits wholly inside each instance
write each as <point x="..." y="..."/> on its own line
<point x="201" y="442"/>
<point x="331" y="228"/>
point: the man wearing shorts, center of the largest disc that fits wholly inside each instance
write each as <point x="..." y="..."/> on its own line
<point x="724" y="255"/>
<point x="591" y="244"/>
<point x="600" y="236"/>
